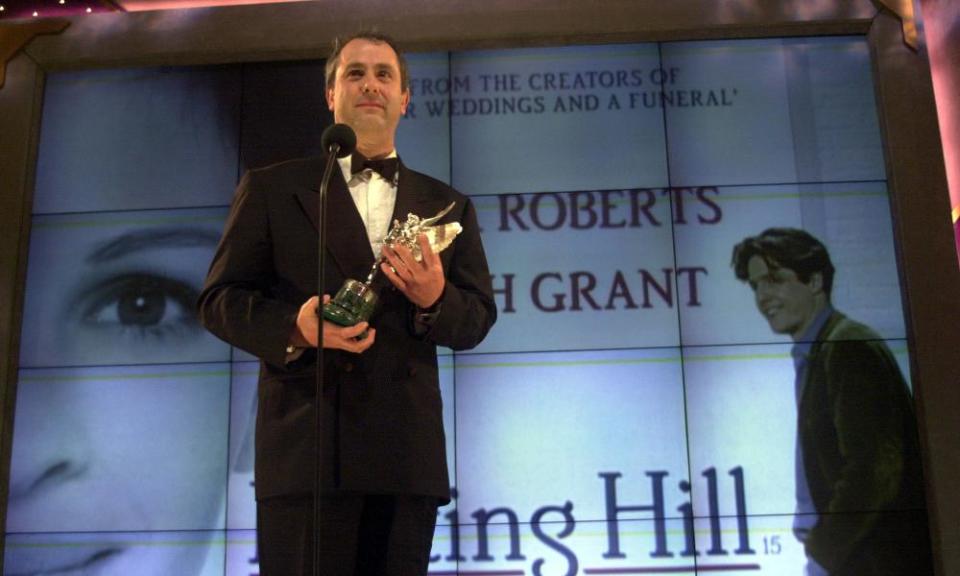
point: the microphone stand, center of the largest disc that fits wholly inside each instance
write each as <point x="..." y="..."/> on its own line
<point x="332" y="154"/>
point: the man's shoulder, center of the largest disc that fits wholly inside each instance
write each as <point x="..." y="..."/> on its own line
<point x="840" y="328"/>
<point x="433" y="185"/>
<point x="846" y="340"/>
<point x="298" y="169"/>
<point x="279" y="180"/>
<point x="856" y="353"/>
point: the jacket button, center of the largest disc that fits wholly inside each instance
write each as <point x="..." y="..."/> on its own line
<point x="348" y="367"/>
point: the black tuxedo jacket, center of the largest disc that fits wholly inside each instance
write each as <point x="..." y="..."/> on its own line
<point x="381" y="410"/>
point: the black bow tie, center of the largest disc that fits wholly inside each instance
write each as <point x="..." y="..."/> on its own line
<point x="386" y="167"/>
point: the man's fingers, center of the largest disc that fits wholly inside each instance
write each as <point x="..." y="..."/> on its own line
<point x="346" y="337"/>
<point x="357" y="346"/>
<point x="366" y="341"/>
<point x="343" y="332"/>
<point x="403" y="256"/>
<point x="392" y="276"/>
<point x="355" y="330"/>
<point x="430" y="258"/>
<point x="396" y="263"/>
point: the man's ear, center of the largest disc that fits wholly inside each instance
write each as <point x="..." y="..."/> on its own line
<point x="816" y="282"/>
<point x="330" y="99"/>
<point x="404" y="101"/>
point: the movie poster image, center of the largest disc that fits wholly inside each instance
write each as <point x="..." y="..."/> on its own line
<point x="119" y="288"/>
<point x="852" y="220"/>
<point x="589" y="269"/>
<point x="241" y="503"/>
<point x="770" y="111"/>
<point x="423" y="137"/>
<point x="126" y="139"/>
<point x="748" y="545"/>
<point x="118" y="468"/>
<point x="542" y="429"/>
<point x="635" y="408"/>
<point x="125" y="448"/>
<point x="731" y="391"/>
<point x="555" y="119"/>
<point x="241" y="553"/>
<point x="186" y="553"/>
<point x="553" y="542"/>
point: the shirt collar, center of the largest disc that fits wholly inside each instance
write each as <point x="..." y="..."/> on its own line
<point x="346" y="160"/>
<point x="801" y="347"/>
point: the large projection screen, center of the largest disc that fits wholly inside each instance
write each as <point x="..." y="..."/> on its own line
<point x="632" y="409"/>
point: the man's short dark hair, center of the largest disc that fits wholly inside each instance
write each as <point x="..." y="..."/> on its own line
<point x="790" y="248"/>
<point x="333" y="61"/>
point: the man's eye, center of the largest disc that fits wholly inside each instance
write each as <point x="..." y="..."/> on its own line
<point x="140" y="301"/>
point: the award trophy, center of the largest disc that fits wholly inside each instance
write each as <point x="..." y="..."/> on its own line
<point x="356" y="301"/>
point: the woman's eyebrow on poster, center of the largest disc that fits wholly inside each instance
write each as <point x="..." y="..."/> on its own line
<point x="153" y="239"/>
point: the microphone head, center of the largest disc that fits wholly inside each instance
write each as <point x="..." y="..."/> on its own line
<point x="340" y="135"/>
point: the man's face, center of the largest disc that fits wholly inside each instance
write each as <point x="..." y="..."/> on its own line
<point x="788" y="304"/>
<point x="367" y="94"/>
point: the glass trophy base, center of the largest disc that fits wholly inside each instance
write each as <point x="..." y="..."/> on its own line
<point x="354" y="303"/>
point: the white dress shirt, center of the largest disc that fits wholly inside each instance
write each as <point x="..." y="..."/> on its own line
<point x="374" y="198"/>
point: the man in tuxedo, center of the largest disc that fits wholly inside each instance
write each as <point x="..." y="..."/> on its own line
<point x="383" y="469"/>
<point x="859" y="487"/>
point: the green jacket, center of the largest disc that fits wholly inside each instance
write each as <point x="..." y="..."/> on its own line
<point x="858" y="432"/>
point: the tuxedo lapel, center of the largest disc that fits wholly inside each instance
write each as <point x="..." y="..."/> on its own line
<point x="414" y="196"/>
<point x="406" y="195"/>
<point x="347" y="240"/>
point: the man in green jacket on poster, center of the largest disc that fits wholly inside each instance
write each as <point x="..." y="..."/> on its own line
<point x="859" y="487"/>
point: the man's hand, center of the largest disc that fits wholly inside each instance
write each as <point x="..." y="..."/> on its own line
<point x="421" y="282"/>
<point x="339" y="337"/>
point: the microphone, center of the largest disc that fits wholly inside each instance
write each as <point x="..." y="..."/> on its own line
<point x="339" y="140"/>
